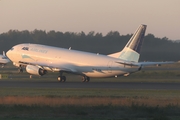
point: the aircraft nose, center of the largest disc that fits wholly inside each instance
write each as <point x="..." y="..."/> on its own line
<point x="7" y="53"/>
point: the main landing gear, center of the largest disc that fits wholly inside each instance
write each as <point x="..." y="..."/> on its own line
<point x="62" y="78"/>
<point x="85" y="79"/>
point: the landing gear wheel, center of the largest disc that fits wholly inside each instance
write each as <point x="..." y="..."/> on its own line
<point x="20" y="70"/>
<point x="61" y="78"/>
<point x="85" y="79"/>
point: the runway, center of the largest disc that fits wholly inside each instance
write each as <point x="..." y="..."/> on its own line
<point x="103" y="85"/>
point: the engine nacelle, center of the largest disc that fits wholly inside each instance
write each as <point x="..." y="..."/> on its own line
<point x="35" y="70"/>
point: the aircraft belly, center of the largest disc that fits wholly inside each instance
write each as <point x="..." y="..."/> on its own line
<point x="104" y="74"/>
<point x="107" y="73"/>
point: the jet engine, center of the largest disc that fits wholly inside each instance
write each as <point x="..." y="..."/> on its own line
<point x="35" y="70"/>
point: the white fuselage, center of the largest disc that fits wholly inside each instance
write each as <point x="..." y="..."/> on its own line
<point x="59" y="59"/>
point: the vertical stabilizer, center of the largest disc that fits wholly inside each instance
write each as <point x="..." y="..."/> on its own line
<point x="131" y="51"/>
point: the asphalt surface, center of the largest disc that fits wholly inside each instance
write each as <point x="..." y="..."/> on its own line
<point x="103" y="85"/>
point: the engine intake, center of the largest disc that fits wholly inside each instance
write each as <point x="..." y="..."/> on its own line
<point x="35" y="70"/>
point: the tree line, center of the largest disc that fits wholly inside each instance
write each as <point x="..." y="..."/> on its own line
<point x="153" y="49"/>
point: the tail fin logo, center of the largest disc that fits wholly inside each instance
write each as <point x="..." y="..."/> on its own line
<point x="136" y="40"/>
<point x="131" y="51"/>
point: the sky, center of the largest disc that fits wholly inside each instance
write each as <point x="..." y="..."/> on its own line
<point x="162" y="17"/>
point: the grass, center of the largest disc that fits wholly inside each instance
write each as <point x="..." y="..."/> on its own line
<point x="84" y="96"/>
<point x="92" y="104"/>
<point x="98" y="112"/>
<point x="88" y="101"/>
<point x="96" y="104"/>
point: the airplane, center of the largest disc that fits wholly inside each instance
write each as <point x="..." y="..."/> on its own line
<point x="38" y="59"/>
<point x="3" y="59"/>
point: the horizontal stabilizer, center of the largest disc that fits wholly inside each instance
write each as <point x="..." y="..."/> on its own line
<point x="155" y="63"/>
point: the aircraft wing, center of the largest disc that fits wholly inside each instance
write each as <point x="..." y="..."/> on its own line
<point x="51" y="67"/>
<point x="143" y="63"/>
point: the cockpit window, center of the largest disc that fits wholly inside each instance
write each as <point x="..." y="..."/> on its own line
<point x="12" y="49"/>
<point x="25" y="48"/>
